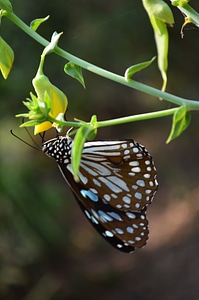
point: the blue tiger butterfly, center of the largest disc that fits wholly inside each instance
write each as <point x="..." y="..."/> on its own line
<point x="117" y="181"/>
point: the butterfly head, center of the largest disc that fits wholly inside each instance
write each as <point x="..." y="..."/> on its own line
<point x="58" y="148"/>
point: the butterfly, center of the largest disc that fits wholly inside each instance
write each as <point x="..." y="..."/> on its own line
<point x="117" y="181"/>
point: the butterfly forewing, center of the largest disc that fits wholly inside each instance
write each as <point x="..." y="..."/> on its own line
<point x="117" y="182"/>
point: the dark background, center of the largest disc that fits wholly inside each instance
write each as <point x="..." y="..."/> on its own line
<point x="48" y="250"/>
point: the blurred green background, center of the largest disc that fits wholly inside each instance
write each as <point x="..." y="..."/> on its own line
<point x="48" y="250"/>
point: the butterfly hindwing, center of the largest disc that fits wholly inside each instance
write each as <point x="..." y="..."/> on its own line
<point x="125" y="230"/>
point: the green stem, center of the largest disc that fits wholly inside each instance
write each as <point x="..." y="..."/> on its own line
<point x="139" y="117"/>
<point x="117" y="121"/>
<point x="63" y="123"/>
<point x="190" y="104"/>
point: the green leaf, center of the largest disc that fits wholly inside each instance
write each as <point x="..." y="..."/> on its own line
<point x="6" y="58"/>
<point x="37" y="22"/>
<point x="77" y="149"/>
<point x="6" y="5"/>
<point x="85" y="132"/>
<point x="136" y="68"/>
<point x="75" y="71"/>
<point x="181" y="120"/>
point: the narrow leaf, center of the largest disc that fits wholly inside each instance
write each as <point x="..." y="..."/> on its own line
<point x="77" y="149"/>
<point x="181" y="120"/>
<point x="85" y="132"/>
<point x="37" y="22"/>
<point x="75" y="71"/>
<point x="136" y="68"/>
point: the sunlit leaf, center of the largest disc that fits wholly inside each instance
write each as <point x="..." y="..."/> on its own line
<point x="37" y="22"/>
<point x="181" y="120"/>
<point x="136" y="68"/>
<point x="6" y="58"/>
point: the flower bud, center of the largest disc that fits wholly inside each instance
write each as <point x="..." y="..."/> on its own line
<point x="160" y="15"/>
<point x="58" y="100"/>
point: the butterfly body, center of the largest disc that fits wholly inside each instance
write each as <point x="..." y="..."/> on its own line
<point x="117" y="181"/>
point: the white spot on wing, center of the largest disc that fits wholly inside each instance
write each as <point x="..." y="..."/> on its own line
<point x="136" y="169"/>
<point x="134" y="163"/>
<point x="129" y="229"/>
<point x="140" y="182"/>
<point x="131" y="215"/>
<point x="108" y="233"/>
<point x="126" y="199"/>
<point x="138" y="195"/>
<point x="119" y="231"/>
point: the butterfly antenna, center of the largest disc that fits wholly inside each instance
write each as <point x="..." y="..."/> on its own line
<point x="34" y="147"/>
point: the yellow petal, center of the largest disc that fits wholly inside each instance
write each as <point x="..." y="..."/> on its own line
<point x="59" y="102"/>
<point x="42" y="127"/>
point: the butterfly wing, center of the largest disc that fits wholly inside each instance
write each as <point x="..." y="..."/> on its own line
<point x="121" y="173"/>
<point x="125" y="230"/>
<point x="117" y="180"/>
